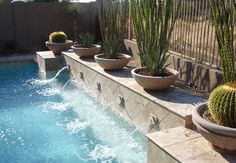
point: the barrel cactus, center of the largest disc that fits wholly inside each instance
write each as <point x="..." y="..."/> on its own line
<point x="58" y="37"/>
<point x="222" y="104"/>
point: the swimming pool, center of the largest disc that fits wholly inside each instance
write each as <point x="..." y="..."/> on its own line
<point x="40" y="121"/>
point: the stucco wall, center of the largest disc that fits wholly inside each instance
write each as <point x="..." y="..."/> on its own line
<point x="29" y="24"/>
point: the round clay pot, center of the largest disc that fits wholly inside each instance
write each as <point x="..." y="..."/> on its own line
<point x="222" y="138"/>
<point x="155" y="82"/>
<point x="57" y="48"/>
<point x="112" y="64"/>
<point x="86" y="52"/>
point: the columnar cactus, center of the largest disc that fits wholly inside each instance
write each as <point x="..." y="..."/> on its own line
<point x="223" y="18"/>
<point x="222" y="104"/>
<point x="154" y="21"/>
<point x="58" y="37"/>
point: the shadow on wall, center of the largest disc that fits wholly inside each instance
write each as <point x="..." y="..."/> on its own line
<point x="197" y="75"/>
<point x="132" y="50"/>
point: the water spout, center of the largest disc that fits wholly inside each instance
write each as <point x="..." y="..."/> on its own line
<point x="66" y="84"/>
<point x="99" y="87"/>
<point x="58" y="73"/>
<point x="68" y="67"/>
<point x="81" y="75"/>
<point x="47" y="81"/>
<point x="121" y="102"/>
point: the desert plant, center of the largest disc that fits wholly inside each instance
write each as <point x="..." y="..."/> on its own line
<point x="58" y="37"/>
<point x="113" y="15"/>
<point x="87" y="39"/>
<point x="111" y="46"/>
<point x="222" y="101"/>
<point x="153" y="23"/>
<point x="223" y="18"/>
<point x="74" y="9"/>
<point x="222" y="105"/>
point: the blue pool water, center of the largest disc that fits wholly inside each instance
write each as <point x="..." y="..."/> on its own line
<point x="41" y="122"/>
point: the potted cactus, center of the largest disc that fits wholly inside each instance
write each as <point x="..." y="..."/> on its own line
<point x="86" y="48"/>
<point x="216" y="120"/>
<point x="153" y="23"/>
<point x="112" y="59"/>
<point x="58" y="42"/>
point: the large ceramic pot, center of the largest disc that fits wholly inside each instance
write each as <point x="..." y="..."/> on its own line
<point x="155" y="82"/>
<point x="57" y="48"/>
<point x="112" y="64"/>
<point x="86" y="52"/>
<point x="222" y="138"/>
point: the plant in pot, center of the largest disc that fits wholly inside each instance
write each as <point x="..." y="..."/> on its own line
<point x="216" y="120"/>
<point x="58" y="42"/>
<point x="86" y="48"/>
<point x="112" y="59"/>
<point x="113" y="26"/>
<point x="153" y="23"/>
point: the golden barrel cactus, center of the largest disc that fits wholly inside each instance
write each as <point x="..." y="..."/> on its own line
<point x="222" y="104"/>
<point x="58" y="37"/>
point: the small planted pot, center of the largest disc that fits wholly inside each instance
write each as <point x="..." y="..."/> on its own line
<point x="223" y="139"/>
<point x="112" y="64"/>
<point x="86" y="52"/>
<point x="57" y="48"/>
<point x="155" y="82"/>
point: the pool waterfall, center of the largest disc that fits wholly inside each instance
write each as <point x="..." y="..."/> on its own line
<point x="55" y="120"/>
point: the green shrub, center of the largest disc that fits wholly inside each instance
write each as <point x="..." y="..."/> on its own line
<point x="222" y="104"/>
<point x="111" y="46"/>
<point x="87" y="40"/>
<point x="58" y="37"/>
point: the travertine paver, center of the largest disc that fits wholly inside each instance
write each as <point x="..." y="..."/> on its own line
<point x="185" y="145"/>
<point x="173" y="136"/>
<point x="48" y="55"/>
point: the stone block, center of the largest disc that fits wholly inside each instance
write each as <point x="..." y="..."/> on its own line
<point x="47" y="61"/>
<point x="183" y="145"/>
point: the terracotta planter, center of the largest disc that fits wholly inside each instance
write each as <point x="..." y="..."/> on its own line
<point x="112" y="64"/>
<point x="222" y="138"/>
<point x="86" y="52"/>
<point x="155" y="82"/>
<point x="56" y="48"/>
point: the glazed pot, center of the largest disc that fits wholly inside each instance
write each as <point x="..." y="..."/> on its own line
<point x="86" y="52"/>
<point x="223" y="139"/>
<point x="155" y="82"/>
<point x="57" y="48"/>
<point x="112" y="64"/>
